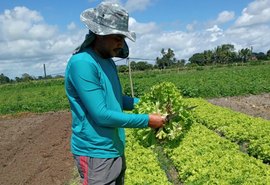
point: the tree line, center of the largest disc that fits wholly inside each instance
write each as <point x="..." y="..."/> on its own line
<point x="25" y="78"/>
<point x="223" y="54"/>
<point x="226" y="54"/>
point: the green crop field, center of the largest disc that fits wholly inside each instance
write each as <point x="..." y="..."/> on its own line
<point x="206" y="82"/>
<point x="220" y="146"/>
<point x="49" y="95"/>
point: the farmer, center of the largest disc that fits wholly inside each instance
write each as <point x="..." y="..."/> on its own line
<point x="96" y="100"/>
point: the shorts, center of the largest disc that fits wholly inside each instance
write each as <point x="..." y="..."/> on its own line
<point x="99" y="171"/>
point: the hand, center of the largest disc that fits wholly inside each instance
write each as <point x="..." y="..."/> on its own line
<point x="156" y="121"/>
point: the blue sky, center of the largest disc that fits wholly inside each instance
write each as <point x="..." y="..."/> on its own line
<point x="164" y="12"/>
<point x="37" y="32"/>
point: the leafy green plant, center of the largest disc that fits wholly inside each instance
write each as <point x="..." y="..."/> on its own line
<point x="142" y="164"/>
<point x="164" y="99"/>
<point x="236" y="127"/>
<point x="203" y="157"/>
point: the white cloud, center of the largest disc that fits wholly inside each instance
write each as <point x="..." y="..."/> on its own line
<point x="27" y="41"/>
<point x="253" y="32"/>
<point x="21" y="23"/>
<point x="215" y="33"/>
<point x="257" y="12"/>
<point x="225" y="16"/>
<point x="142" y="28"/>
<point x="71" y="26"/>
<point x="190" y="27"/>
<point x="184" y="44"/>
<point x="130" y="5"/>
<point x="257" y="37"/>
<point x="113" y="1"/>
<point x="215" y="28"/>
<point x="134" y="5"/>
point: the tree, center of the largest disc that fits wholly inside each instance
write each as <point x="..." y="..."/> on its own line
<point x="224" y="54"/>
<point x="143" y="66"/>
<point x="208" y="56"/>
<point x="18" y="79"/>
<point x="181" y="63"/>
<point x="244" y="54"/>
<point x="198" y="59"/>
<point x="268" y="54"/>
<point x="122" y="68"/>
<point x="26" y="77"/>
<point x="260" y="56"/>
<point x="4" y="79"/>
<point x="133" y="65"/>
<point x="228" y="53"/>
<point x="167" y="59"/>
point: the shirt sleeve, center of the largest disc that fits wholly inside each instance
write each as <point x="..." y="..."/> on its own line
<point x="85" y="77"/>
<point x="129" y="102"/>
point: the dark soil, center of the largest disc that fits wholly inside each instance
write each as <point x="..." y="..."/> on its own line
<point x="35" y="148"/>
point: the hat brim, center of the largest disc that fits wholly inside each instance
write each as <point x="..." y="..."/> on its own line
<point x="87" y="17"/>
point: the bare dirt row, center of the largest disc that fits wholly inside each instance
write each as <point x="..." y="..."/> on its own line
<point x="35" y="149"/>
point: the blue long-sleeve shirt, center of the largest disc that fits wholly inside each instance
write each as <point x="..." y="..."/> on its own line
<point x="97" y="103"/>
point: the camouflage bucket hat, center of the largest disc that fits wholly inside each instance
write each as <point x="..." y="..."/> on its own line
<point x="108" y="18"/>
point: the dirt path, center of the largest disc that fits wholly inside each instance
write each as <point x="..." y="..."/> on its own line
<point x="255" y="105"/>
<point x="34" y="148"/>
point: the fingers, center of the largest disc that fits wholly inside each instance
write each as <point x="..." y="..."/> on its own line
<point x="163" y="120"/>
<point x="156" y="121"/>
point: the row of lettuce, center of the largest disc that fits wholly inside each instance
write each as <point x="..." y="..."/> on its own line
<point x="203" y="157"/>
<point x="252" y="134"/>
<point x="142" y="164"/>
<point x="210" y="152"/>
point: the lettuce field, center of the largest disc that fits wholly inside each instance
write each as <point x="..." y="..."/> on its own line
<point x="214" y="145"/>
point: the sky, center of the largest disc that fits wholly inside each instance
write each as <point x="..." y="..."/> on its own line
<point x="38" y="32"/>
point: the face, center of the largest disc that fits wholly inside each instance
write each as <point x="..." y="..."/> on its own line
<point x="109" y="46"/>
